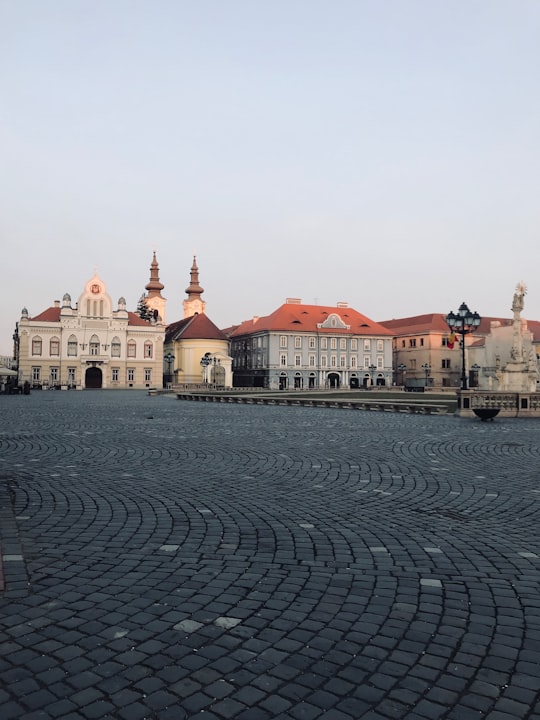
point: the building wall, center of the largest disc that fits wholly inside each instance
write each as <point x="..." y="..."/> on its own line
<point x="289" y="360"/>
<point x="67" y="351"/>
<point x="188" y="353"/>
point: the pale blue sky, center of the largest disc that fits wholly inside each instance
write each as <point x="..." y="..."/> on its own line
<point x="384" y="153"/>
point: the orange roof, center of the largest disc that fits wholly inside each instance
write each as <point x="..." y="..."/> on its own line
<point x="434" y="322"/>
<point x="293" y="317"/>
<point x="52" y="314"/>
<point x="195" y="327"/>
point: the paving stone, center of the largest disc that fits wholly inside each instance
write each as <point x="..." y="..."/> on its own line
<point x="416" y="598"/>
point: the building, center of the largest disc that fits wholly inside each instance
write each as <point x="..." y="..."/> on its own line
<point x="89" y="345"/>
<point x="311" y="346"/>
<point x="425" y="356"/>
<point x="196" y="351"/>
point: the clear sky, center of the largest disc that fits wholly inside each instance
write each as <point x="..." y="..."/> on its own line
<point x="380" y="152"/>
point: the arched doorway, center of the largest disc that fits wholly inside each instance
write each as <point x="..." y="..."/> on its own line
<point x="93" y="378"/>
<point x="283" y="381"/>
<point x="298" y="381"/>
<point x="354" y="382"/>
<point x="333" y="380"/>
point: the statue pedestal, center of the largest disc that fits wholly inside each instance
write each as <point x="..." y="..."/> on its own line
<point x="516" y="377"/>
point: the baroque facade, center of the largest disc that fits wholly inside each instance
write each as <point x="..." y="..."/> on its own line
<point x="311" y="347"/>
<point x="196" y="350"/>
<point x="91" y="344"/>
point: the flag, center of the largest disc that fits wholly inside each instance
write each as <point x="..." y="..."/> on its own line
<point x="451" y="341"/>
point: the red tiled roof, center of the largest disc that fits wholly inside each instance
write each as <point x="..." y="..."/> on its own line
<point x="134" y="319"/>
<point x="195" y="327"/>
<point x="434" y="322"/>
<point x="293" y="317"/>
<point x="51" y="314"/>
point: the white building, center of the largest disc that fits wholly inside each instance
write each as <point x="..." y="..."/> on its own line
<point x="91" y="344"/>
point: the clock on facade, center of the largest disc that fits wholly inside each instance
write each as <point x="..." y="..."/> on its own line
<point x="95" y="289"/>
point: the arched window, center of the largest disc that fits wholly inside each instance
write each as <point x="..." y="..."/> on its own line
<point x="115" y="347"/>
<point x="72" y="346"/>
<point x="94" y="345"/>
<point x="36" y="345"/>
<point x="131" y="349"/>
<point x="148" y="349"/>
<point x="54" y="346"/>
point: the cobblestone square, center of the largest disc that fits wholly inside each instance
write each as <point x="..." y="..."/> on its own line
<point x="166" y="559"/>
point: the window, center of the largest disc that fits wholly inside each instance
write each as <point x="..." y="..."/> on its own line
<point x="72" y="346"/>
<point x="421" y="342"/>
<point x="412" y="342"/>
<point x="283" y="360"/>
<point x="147" y="375"/>
<point x="380" y="345"/>
<point x="354" y="344"/>
<point x="333" y="343"/>
<point x="297" y="342"/>
<point x="36" y="346"/>
<point x="71" y="376"/>
<point x="403" y="343"/>
<point x="324" y="361"/>
<point x="311" y="343"/>
<point x="148" y="350"/>
<point x="343" y="343"/>
<point x="131" y="349"/>
<point x="94" y="345"/>
<point x="367" y="345"/>
<point x="115" y="347"/>
<point x="413" y="363"/>
<point x="115" y="374"/>
<point x="131" y="374"/>
<point x="298" y="360"/>
<point x="380" y="361"/>
<point x="333" y="361"/>
<point x="324" y="343"/>
<point x="282" y="341"/>
<point x="54" y="347"/>
<point x="342" y="361"/>
<point x="36" y="374"/>
<point x="367" y="361"/>
<point x="446" y="364"/>
<point x="444" y="341"/>
<point x="353" y="361"/>
<point x="54" y="374"/>
<point x="311" y="361"/>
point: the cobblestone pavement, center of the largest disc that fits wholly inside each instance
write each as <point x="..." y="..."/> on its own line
<point x="171" y="560"/>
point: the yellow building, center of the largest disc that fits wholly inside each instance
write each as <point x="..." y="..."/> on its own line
<point x="196" y="351"/>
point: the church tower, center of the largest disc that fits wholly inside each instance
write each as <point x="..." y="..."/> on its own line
<point x="194" y="304"/>
<point x="154" y="298"/>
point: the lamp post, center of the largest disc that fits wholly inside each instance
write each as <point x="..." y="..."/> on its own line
<point x="426" y="367"/>
<point x="169" y="357"/>
<point x="462" y="323"/>
<point x="372" y="369"/>
<point x="474" y="377"/>
<point x="205" y="362"/>
<point x="402" y="369"/>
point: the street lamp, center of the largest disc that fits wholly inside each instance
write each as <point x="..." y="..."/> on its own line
<point x="169" y="357"/>
<point x="372" y="369"/>
<point x="426" y="367"/>
<point x="206" y="360"/>
<point x="463" y="322"/>
<point x="402" y="369"/>
<point x="474" y="377"/>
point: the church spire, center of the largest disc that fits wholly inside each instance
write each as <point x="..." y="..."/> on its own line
<point x="154" y="299"/>
<point x="194" y="303"/>
<point x="154" y="287"/>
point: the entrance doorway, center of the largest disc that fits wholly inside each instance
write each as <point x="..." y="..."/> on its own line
<point x="93" y="378"/>
<point x="333" y="380"/>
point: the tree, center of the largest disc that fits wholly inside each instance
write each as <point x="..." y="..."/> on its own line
<point x="143" y="311"/>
